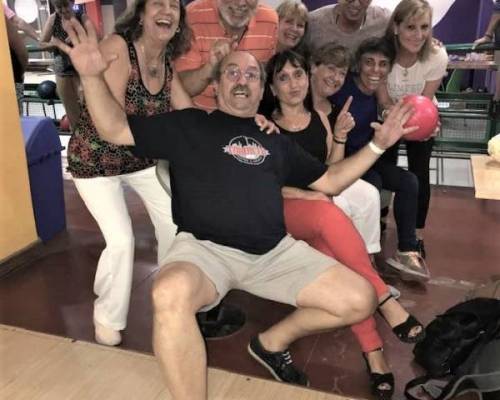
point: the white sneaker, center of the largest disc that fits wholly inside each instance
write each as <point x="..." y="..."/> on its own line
<point x="106" y="336"/>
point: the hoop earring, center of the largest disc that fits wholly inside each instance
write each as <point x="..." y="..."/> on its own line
<point x="178" y="30"/>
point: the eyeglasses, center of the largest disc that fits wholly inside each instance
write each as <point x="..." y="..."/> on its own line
<point x="234" y="74"/>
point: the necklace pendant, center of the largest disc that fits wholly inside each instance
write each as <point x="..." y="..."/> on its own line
<point x="153" y="72"/>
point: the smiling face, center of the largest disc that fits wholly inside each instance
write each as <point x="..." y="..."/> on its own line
<point x="64" y="8"/>
<point x="236" y="14"/>
<point x="160" y="19"/>
<point x="353" y="10"/>
<point x="290" y="85"/>
<point x="373" y="70"/>
<point x="327" y="79"/>
<point x="290" y="32"/>
<point x="240" y="88"/>
<point x="413" y="32"/>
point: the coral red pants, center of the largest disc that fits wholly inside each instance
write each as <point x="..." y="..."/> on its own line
<point x="326" y="228"/>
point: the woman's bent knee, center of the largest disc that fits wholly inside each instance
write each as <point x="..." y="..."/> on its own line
<point x="120" y="241"/>
<point x="409" y="182"/>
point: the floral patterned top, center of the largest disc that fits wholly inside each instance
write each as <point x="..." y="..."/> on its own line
<point x="89" y="156"/>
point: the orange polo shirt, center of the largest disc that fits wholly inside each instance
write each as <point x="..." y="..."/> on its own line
<point x="202" y="16"/>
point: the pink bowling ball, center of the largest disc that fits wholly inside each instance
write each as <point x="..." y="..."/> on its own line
<point x="425" y="116"/>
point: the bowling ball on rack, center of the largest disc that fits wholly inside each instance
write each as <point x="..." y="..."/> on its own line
<point x="47" y="90"/>
<point x="425" y="116"/>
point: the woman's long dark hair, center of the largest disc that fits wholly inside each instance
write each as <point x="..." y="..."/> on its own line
<point x="276" y="64"/>
<point x="130" y="26"/>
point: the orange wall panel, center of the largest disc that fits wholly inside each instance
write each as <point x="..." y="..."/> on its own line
<point x="17" y="223"/>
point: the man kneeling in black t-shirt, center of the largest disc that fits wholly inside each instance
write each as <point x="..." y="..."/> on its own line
<point x="226" y="179"/>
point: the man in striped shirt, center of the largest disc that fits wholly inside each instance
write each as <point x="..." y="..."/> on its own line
<point x="220" y="26"/>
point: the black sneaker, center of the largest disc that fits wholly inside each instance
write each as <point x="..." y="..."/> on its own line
<point x="279" y="363"/>
<point x="421" y="248"/>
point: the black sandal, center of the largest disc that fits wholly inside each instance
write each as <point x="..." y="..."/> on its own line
<point x="402" y="331"/>
<point x="381" y="385"/>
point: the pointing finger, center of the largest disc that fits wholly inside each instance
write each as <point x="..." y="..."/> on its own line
<point x="346" y="106"/>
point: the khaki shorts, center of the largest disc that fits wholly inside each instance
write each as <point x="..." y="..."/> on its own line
<point x="278" y="275"/>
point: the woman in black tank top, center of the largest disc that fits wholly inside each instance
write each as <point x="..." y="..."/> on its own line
<point x="67" y="80"/>
<point x="321" y="223"/>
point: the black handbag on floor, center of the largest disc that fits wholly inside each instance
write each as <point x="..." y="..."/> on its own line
<point x="461" y="353"/>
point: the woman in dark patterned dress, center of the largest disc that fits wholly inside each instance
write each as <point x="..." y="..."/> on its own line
<point x="148" y="37"/>
<point x="67" y="80"/>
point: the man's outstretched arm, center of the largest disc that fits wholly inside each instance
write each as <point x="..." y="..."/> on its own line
<point x="107" y="114"/>
<point x="344" y="173"/>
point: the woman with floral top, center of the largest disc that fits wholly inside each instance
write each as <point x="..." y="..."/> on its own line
<point x="148" y="37"/>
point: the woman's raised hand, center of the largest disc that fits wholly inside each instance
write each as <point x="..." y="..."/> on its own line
<point x="393" y="128"/>
<point x="83" y="49"/>
<point x="345" y="122"/>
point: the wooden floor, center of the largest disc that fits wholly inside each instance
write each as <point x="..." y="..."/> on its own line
<point x="36" y="366"/>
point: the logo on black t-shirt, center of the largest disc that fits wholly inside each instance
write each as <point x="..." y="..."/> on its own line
<point x="246" y="150"/>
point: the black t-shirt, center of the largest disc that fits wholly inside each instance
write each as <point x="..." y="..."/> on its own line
<point x="226" y="175"/>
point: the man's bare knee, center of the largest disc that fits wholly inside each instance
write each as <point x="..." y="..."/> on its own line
<point x="342" y="293"/>
<point x="362" y="299"/>
<point x="178" y="288"/>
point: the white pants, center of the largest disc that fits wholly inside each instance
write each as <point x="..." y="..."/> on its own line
<point x="361" y="202"/>
<point x="105" y="200"/>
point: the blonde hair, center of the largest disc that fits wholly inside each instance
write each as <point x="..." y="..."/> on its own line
<point x="294" y="9"/>
<point x="409" y="9"/>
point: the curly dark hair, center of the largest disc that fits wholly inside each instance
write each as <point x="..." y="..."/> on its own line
<point x="130" y="26"/>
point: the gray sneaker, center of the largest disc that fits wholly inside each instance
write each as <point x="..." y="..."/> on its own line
<point x="410" y="265"/>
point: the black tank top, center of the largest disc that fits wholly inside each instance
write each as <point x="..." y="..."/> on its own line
<point x="62" y="62"/>
<point x="312" y="138"/>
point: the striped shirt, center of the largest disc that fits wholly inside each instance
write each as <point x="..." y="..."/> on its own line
<point x="260" y="39"/>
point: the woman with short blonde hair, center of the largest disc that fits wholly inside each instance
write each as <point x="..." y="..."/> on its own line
<point x="293" y="19"/>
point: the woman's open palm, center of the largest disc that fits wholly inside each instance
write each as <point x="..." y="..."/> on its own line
<point x="85" y="54"/>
